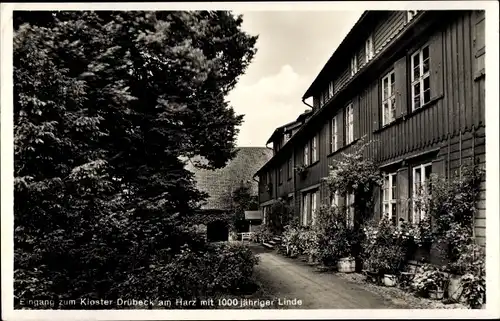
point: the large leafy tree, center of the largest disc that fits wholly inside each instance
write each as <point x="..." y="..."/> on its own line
<point x="106" y="106"/>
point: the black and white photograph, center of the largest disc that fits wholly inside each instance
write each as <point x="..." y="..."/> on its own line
<point x="245" y="161"/>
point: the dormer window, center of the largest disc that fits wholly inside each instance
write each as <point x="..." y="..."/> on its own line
<point x="369" y="51"/>
<point x="354" y="65"/>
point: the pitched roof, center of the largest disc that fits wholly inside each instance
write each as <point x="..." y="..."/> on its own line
<point x="219" y="183"/>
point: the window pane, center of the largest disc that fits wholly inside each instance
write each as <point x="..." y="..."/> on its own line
<point x="385" y="87"/>
<point x="426" y="66"/>
<point x="427" y="92"/>
<point x="425" y="53"/>
<point x="415" y="64"/>
<point x="416" y="101"/>
<point x="393" y="83"/>
<point x="393" y="108"/>
<point x="416" y="72"/>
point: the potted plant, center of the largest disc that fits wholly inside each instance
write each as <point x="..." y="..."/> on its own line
<point x="301" y="170"/>
<point x="342" y="247"/>
<point x="474" y="280"/>
<point x="430" y="281"/>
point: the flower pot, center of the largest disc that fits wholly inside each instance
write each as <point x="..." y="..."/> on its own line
<point x="346" y="265"/>
<point x="455" y="288"/>
<point x="390" y="280"/>
<point x="436" y="294"/>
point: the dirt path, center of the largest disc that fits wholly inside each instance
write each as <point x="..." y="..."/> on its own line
<point x="287" y="278"/>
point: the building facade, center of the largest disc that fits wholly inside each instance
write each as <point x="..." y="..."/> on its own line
<point x="413" y="83"/>
<point x="221" y="184"/>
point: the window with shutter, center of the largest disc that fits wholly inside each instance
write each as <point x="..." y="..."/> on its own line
<point x="388" y="98"/>
<point x="420" y="78"/>
<point x="306" y="154"/>
<point x="354" y="65"/>
<point x="420" y="189"/>
<point x="314" y="149"/>
<point x="369" y="50"/>
<point x="349" y="125"/>
<point x="389" y="199"/>
<point x="333" y="134"/>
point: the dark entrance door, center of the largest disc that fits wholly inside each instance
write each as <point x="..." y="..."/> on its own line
<point x="217" y="231"/>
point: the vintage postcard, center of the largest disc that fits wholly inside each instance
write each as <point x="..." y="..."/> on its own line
<point x="249" y="160"/>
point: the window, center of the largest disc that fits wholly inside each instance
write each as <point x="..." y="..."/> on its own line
<point x="369" y="48"/>
<point x="314" y="149"/>
<point x="349" y="126"/>
<point x="306" y="154"/>
<point x="309" y="204"/>
<point x="280" y="175"/>
<point x="330" y="89"/>
<point x="420" y="85"/>
<point x="314" y="200"/>
<point x="354" y="65"/>
<point x="389" y="197"/>
<point x="421" y="189"/>
<point x="335" y="199"/>
<point x="388" y="99"/>
<point x="333" y="134"/>
<point x="349" y="201"/>
<point x="321" y="102"/>
<point x="411" y="14"/>
<point x="305" y="208"/>
<point x="290" y="168"/>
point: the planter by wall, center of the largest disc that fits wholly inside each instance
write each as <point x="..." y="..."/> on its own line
<point x="455" y="287"/>
<point x="346" y="265"/>
<point x="436" y="294"/>
<point x="390" y="280"/>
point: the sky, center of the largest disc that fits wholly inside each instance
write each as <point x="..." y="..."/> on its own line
<point x="292" y="48"/>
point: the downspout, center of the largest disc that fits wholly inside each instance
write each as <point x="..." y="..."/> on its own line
<point x="304" y="102"/>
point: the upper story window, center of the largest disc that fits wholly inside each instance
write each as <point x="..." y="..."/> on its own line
<point x="349" y="124"/>
<point x="410" y="14"/>
<point x="420" y="83"/>
<point x="354" y="65"/>
<point x="330" y="89"/>
<point x="333" y="134"/>
<point x="369" y="50"/>
<point x="306" y="154"/>
<point x="389" y="200"/>
<point x="388" y="98"/>
<point x="420" y="189"/>
<point x="314" y="149"/>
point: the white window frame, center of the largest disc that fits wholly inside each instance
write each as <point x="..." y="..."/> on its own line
<point x="410" y="14"/>
<point x="388" y="97"/>
<point x="314" y="203"/>
<point x="369" y="48"/>
<point x="388" y="197"/>
<point x="264" y="215"/>
<point x="422" y="182"/>
<point x="422" y="77"/>
<point x="354" y="65"/>
<point x="349" y="124"/>
<point x="330" y="89"/>
<point x="305" y="208"/>
<point x="306" y="154"/>
<point x="335" y="200"/>
<point x="334" y="134"/>
<point x="314" y="149"/>
<point x="349" y="201"/>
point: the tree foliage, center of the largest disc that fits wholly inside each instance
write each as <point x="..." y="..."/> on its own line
<point x="106" y="104"/>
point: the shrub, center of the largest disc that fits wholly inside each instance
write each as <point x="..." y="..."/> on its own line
<point x="385" y="247"/>
<point x="262" y="234"/>
<point x="290" y="239"/>
<point x="333" y="235"/>
<point x="428" y="278"/>
<point x="471" y="263"/>
<point x="222" y="268"/>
